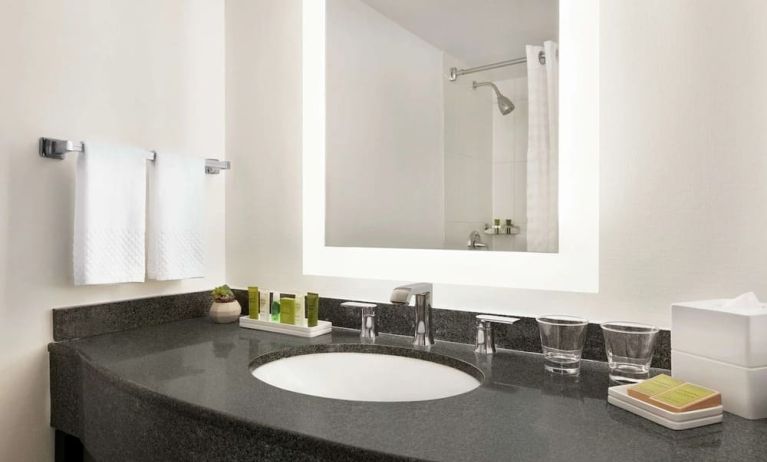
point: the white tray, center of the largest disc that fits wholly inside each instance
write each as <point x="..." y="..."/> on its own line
<point x="618" y="396"/>
<point x="621" y="393"/>
<point x="322" y="327"/>
<point x="660" y="420"/>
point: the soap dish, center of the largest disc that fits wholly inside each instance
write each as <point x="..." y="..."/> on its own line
<point x="618" y="396"/>
<point x="322" y="327"/>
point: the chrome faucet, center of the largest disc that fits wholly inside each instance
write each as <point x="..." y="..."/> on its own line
<point x="403" y="294"/>
<point x="475" y="241"/>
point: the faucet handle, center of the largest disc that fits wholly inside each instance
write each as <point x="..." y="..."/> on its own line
<point x="368" y="318"/>
<point x="485" y="343"/>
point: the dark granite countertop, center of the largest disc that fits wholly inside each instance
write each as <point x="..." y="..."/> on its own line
<point x="520" y="413"/>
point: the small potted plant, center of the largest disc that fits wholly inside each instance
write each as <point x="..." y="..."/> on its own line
<point x="225" y="307"/>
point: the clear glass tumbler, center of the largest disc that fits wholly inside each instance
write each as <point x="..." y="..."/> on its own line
<point x="562" y="339"/>
<point x="629" y="348"/>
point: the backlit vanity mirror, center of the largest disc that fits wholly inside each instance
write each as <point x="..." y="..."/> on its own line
<point x="452" y="141"/>
<point x="442" y="124"/>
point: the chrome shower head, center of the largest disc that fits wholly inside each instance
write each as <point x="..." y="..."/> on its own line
<point x="504" y="104"/>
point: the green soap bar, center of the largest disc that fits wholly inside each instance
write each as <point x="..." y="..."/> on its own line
<point x="684" y="395"/>
<point x="254" y="302"/>
<point x="276" y="311"/>
<point x="656" y="385"/>
<point x="312" y="308"/>
<point x="287" y="310"/>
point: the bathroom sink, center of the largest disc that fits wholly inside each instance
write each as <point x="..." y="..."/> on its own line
<point x="380" y="374"/>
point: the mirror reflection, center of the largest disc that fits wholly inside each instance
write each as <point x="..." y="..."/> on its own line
<point x="442" y="124"/>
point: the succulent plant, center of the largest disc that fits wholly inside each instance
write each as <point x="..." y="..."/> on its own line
<point x="222" y="294"/>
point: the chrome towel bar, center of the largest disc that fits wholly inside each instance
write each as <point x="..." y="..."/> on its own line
<point x="51" y="148"/>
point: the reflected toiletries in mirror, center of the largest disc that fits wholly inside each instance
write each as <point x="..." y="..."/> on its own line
<point x="442" y="124"/>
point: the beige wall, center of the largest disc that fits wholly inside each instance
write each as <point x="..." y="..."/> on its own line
<point x="683" y="170"/>
<point x="142" y="72"/>
<point x="385" y="84"/>
<point x="263" y="135"/>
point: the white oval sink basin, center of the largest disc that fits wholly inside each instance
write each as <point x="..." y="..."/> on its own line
<point x="365" y="377"/>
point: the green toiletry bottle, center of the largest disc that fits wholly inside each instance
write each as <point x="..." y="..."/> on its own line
<point x="312" y="308"/>
<point x="254" y="302"/>
<point x="287" y="310"/>
<point x="274" y="297"/>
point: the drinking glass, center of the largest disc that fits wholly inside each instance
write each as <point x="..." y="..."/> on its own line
<point x="562" y="339"/>
<point x="629" y="347"/>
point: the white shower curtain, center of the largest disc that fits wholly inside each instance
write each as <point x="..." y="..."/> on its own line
<point x="543" y="149"/>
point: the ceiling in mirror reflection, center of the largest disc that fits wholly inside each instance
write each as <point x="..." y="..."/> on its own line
<point x="476" y="32"/>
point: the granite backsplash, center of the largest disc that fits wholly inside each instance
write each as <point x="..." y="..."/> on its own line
<point x="449" y="325"/>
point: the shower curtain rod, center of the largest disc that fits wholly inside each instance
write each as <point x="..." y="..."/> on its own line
<point x="455" y="72"/>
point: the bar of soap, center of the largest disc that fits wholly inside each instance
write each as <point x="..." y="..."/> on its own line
<point x="654" y="386"/>
<point x="687" y="397"/>
<point x="674" y="395"/>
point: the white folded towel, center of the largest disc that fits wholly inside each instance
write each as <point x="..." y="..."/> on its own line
<point x="110" y="210"/>
<point x="176" y="205"/>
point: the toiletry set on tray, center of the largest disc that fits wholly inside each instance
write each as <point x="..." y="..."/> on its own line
<point x="718" y="345"/>
<point x="292" y="314"/>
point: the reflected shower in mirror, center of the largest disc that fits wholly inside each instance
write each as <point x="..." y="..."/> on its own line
<point x="442" y="124"/>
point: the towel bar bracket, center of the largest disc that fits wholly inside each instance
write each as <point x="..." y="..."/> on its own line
<point x="51" y="148"/>
<point x="56" y="149"/>
<point x="214" y="166"/>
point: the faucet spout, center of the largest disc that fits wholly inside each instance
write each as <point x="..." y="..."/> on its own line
<point x="403" y="294"/>
<point x="422" y="292"/>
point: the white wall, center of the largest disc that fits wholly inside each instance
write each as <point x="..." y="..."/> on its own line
<point x="683" y="166"/>
<point x="468" y="157"/>
<point x="683" y="163"/>
<point x="135" y="71"/>
<point x="384" y="132"/>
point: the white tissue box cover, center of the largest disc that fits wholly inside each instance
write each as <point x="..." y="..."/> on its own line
<point x="737" y="336"/>
<point x="744" y="390"/>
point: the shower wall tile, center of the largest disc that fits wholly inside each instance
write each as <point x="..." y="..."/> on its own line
<point x="514" y="88"/>
<point x="520" y="192"/>
<point x="503" y="190"/>
<point x="510" y="131"/>
<point x="519" y="131"/>
<point x="467" y="189"/>
<point x="510" y="163"/>
<point x="468" y="158"/>
<point x="502" y="243"/>
<point x="467" y="120"/>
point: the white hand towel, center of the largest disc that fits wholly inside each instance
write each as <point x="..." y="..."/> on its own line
<point x="110" y="210"/>
<point x="176" y="205"/>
